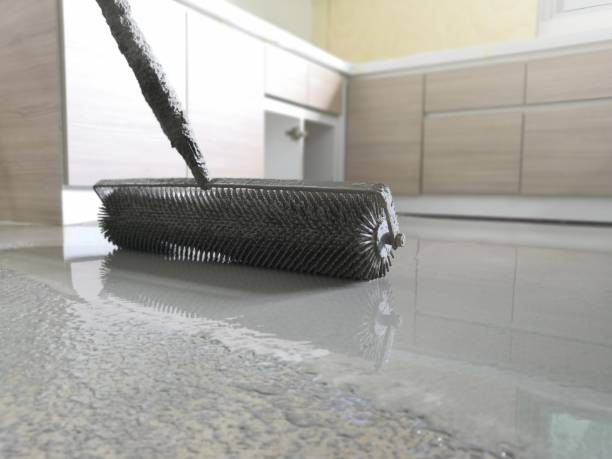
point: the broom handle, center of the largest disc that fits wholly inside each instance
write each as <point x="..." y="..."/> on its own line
<point x="154" y="85"/>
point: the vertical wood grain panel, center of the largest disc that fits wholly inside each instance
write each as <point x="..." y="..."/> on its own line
<point x="568" y="151"/>
<point x="475" y="87"/>
<point x="477" y="153"/>
<point x="286" y="75"/>
<point x="226" y="90"/>
<point x="324" y="89"/>
<point x="112" y="132"/>
<point x="573" y="77"/>
<point x="31" y="144"/>
<point x="384" y="132"/>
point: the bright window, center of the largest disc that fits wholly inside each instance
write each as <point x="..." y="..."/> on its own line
<point x="560" y="17"/>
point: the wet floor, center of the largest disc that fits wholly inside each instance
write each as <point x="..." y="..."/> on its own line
<point x="486" y="340"/>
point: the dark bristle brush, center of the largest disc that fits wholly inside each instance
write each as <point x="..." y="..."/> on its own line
<point x="347" y="230"/>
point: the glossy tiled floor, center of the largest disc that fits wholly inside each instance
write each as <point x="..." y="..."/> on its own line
<point x="486" y="340"/>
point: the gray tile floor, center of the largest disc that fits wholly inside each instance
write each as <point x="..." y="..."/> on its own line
<point x="485" y="340"/>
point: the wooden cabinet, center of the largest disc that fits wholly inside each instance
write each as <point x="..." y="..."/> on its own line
<point x="325" y="88"/>
<point x="284" y="157"/>
<point x="112" y="132"/>
<point x="568" y="151"/>
<point x="31" y="166"/>
<point x="226" y="90"/>
<point x="384" y="132"/>
<point x="297" y="80"/>
<point x="477" y="153"/>
<point x="573" y="77"/>
<point x="475" y="87"/>
<point x="539" y="127"/>
<point x="286" y="75"/>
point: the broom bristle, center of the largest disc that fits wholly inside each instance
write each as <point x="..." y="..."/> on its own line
<point x="336" y="230"/>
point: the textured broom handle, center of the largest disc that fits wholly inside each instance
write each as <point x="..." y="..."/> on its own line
<point x="154" y="86"/>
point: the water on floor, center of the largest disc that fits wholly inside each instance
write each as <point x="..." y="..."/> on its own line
<point x="486" y="340"/>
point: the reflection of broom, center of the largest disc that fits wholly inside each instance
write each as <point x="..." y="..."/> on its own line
<point x="375" y="336"/>
<point x="357" y="321"/>
<point x="337" y="229"/>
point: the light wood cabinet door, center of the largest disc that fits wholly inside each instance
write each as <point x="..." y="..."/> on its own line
<point x="286" y="76"/>
<point x="30" y="112"/>
<point x="478" y="153"/>
<point x="112" y="132"/>
<point x="572" y="77"/>
<point x="325" y="89"/>
<point x="475" y="87"/>
<point x="384" y="132"/>
<point x="226" y="90"/>
<point x="568" y="151"/>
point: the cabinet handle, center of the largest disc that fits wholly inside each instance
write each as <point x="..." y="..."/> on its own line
<point x="296" y="133"/>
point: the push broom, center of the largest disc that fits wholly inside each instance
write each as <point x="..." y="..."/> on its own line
<point x="339" y="229"/>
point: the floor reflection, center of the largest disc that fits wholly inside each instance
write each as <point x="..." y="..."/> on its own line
<point x="488" y="330"/>
<point x="540" y="311"/>
<point x="346" y="317"/>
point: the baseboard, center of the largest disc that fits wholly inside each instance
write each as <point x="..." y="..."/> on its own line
<point x="82" y="205"/>
<point x="564" y="209"/>
<point x="79" y="205"/>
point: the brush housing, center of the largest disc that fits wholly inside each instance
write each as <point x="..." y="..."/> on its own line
<point x="337" y="229"/>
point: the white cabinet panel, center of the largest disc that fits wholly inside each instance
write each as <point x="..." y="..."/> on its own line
<point x="226" y="91"/>
<point x="284" y="154"/>
<point x="112" y="132"/>
<point x="286" y="76"/>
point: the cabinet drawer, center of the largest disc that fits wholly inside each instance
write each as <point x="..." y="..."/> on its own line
<point x="384" y="132"/>
<point x="573" y="77"/>
<point x="286" y="76"/>
<point x="476" y="87"/>
<point x="472" y="153"/>
<point x="294" y="79"/>
<point x="568" y="151"/>
<point x="324" y="89"/>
